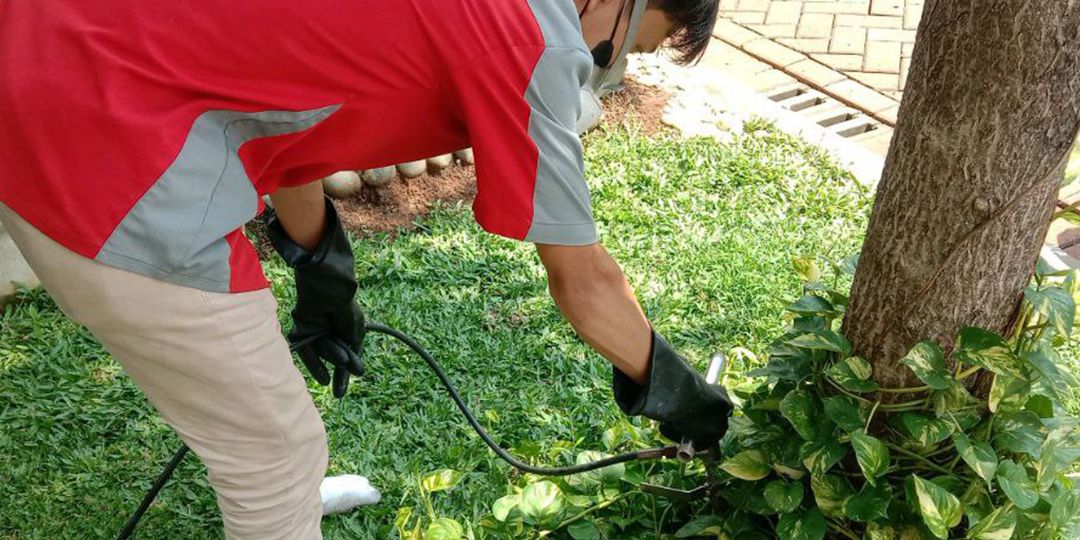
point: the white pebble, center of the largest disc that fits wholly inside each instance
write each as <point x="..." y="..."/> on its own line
<point x="342" y="184"/>
<point x="412" y="169"/>
<point x="438" y="163"/>
<point x="377" y="177"/>
<point x="465" y="156"/>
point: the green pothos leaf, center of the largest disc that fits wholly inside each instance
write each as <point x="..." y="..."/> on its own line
<point x="584" y="530"/>
<point x="872" y="455"/>
<point x="789" y="472"/>
<point x="928" y="362"/>
<point x="606" y="475"/>
<point x="939" y="509"/>
<point x="976" y="501"/>
<point x="824" y="340"/>
<point x="1020" y="432"/>
<point x="1059" y="381"/>
<point x="878" y="531"/>
<point x="977" y="455"/>
<point x="503" y="505"/>
<point x="845" y="412"/>
<point x="845" y="375"/>
<point x="444" y="528"/>
<point x="915" y="532"/>
<point x="702" y="526"/>
<point x="751" y="498"/>
<point x="871" y="503"/>
<point x="1008" y="390"/>
<point x="806" y="269"/>
<point x="401" y="524"/>
<point x="1017" y="485"/>
<point x="821" y="455"/>
<point x="998" y="525"/>
<point x="541" y="501"/>
<point x="849" y="264"/>
<point x="808" y="525"/>
<point x="755" y="428"/>
<point x="952" y="484"/>
<point x="800" y="409"/>
<point x="789" y="363"/>
<point x="964" y="419"/>
<point x="811" y="304"/>
<point x="928" y="431"/>
<point x="804" y="323"/>
<point x="831" y="493"/>
<point x="1059" y="452"/>
<point x="441" y="480"/>
<point x="978" y="347"/>
<point x="1066" y="508"/>
<point x="839" y="300"/>
<point x="1054" y="303"/>
<point x="1041" y="405"/>
<point x="859" y="367"/>
<point x="947" y="402"/>
<point x="742" y="526"/>
<point x="747" y="465"/>
<point x="784" y="496"/>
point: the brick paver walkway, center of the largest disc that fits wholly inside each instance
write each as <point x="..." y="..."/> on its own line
<point x="868" y="40"/>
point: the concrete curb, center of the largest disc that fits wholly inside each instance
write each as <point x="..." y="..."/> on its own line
<point x="863" y="164"/>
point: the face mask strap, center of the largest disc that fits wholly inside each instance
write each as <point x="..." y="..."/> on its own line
<point x="604" y="51"/>
<point x="601" y="74"/>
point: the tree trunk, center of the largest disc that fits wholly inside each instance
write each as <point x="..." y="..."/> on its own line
<point x="991" y="109"/>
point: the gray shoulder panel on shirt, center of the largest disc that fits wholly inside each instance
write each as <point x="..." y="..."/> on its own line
<point x="176" y="231"/>
<point x="559" y="23"/>
<point x="562" y="212"/>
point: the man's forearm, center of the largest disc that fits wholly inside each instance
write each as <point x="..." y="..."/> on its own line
<point x="302" y="212"/>
<point x="592" y="292"/>
<point x="594" y="296"/>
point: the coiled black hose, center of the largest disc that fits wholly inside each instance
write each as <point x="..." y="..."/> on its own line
<point x="649" y="453"/>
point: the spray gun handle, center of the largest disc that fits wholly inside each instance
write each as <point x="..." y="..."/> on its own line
<point x="685" y="450"/>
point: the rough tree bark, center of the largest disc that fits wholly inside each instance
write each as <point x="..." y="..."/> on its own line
<point x="991" y="109"/>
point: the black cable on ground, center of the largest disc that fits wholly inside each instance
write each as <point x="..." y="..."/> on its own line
<point x="649" y="453"/>
<point x="148" y="499"/>
<point x="664" y="451"/>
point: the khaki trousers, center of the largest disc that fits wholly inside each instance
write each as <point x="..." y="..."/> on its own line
<point x="217" y="369"/>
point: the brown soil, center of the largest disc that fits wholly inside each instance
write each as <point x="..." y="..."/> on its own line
<point x="400" y="203"/>
<point x="638" y="107"/>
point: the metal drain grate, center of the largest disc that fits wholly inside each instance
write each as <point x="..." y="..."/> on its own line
<point x="825" y="111"/>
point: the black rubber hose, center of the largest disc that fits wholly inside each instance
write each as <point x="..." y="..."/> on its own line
<point x="650" y="453"/>
<point x="148" y="499"/>
<point x="663" y="451"/>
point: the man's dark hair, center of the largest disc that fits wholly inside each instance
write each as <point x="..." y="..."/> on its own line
<point x="694" y="21"/>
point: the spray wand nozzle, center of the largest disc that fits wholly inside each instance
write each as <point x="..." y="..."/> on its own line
<point x="685" y="449"/>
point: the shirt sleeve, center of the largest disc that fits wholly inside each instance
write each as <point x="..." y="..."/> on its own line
<point x="521" y="108"/>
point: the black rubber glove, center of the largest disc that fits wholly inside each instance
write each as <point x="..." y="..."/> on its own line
<point x="325" y="302"/>
<point x="676" y="395"/>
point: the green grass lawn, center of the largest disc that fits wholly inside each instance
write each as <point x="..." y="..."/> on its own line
<point x="705" y="232"/>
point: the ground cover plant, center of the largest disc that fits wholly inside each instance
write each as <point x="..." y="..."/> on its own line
<point x="705" y="231"/>
<point x="932" y="461"/>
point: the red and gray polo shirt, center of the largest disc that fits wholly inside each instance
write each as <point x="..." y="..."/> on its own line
<point x="141" y="133"/>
